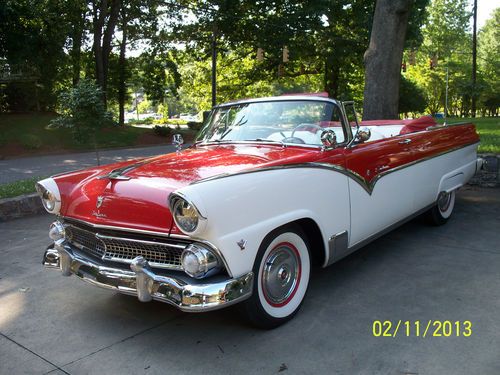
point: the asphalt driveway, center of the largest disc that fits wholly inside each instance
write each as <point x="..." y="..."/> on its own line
<point x="49" y="323"/>
<point x="43" y="166"/>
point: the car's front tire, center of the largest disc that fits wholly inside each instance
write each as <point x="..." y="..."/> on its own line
<point x="441" y="212"/>
<point x="282" y="268"/>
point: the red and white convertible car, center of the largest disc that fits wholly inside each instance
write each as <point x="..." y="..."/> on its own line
<point x="270" y="188"/>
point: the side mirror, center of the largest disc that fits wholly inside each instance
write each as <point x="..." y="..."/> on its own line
<point x="363" y="135"/>
<point x="328" y="139"/>
<point x="177" y="141"/>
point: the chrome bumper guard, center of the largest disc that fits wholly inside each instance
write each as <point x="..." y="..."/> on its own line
<point x="145" y="284"/>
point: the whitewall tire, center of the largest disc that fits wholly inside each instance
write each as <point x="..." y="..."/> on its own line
<point x="441" y="212"/>
<point x="282" y="269"/>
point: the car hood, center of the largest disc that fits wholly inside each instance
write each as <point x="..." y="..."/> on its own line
<point x="138" y="198"/>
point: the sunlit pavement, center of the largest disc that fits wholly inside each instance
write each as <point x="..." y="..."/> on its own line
<point x="49" y="323"/>
<point x="44" y="166"/>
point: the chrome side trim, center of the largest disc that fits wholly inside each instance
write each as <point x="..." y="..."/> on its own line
<point x="337" y="247"/>
<point x="441" y="126"/>
<point x="368" y="186"/>
<point x="142" y="282"/>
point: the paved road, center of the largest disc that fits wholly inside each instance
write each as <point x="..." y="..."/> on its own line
<point x="49" y="323"/>
<point x="42" y="166"/>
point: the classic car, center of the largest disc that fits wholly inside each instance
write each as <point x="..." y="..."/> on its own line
<point x="270" y="188"/>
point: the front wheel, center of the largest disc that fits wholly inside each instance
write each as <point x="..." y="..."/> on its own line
<point x="282" y="268"/>
<point x="441" y="212"/>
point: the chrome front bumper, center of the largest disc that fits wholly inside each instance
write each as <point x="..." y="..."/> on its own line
<point x="147" y="285"/>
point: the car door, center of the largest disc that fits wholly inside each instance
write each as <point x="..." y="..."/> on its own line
<point x="381" y="191"/>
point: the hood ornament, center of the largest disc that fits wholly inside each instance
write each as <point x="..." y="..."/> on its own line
<point x="178" y="141"/>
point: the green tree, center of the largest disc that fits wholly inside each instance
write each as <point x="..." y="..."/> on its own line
<point x="32" y="40"/>
<point x="489" y="63"/>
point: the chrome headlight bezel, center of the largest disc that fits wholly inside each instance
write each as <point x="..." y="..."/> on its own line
<point x="178" y="202"/>
<point x="199" y="262"/>
<point x="49" y="194"/>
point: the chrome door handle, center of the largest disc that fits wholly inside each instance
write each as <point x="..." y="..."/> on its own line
<point x="405" y="141"/>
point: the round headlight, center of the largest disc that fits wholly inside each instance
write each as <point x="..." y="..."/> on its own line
<point x="185" y="215"/>
<point x="199" y="262"/>
<point x="49" y="193"/>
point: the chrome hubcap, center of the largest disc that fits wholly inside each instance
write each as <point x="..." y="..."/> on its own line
<point x="444" y="200"/>
<point x="281" y="274"/>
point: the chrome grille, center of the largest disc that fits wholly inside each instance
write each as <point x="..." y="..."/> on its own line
<point x="85" y="240"/>
<point x="121" y="249"/>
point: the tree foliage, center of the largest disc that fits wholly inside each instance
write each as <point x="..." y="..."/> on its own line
<point x="82" y="110"/>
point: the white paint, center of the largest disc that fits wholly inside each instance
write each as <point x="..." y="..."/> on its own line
<point x="51" y="186"/>
<point x="249" y="206"/>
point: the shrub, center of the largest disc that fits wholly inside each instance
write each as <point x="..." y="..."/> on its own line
<point x="194" y="125"/>
<point x="170" y="121"/>
<point x="31" y="141"/>
<point x="163" y="131"/>
<point x="82" y="109"/>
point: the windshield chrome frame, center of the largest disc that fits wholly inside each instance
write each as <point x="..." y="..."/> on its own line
<point x="285" y="98"/>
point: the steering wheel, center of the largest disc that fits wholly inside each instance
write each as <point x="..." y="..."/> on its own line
<point x="303" y="125"/>
<point x="293" y="139"/>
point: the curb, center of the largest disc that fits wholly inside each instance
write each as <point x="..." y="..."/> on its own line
<point x="21" y="206"/>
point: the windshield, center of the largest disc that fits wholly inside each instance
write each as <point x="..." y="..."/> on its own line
<point x="289" y="122"/>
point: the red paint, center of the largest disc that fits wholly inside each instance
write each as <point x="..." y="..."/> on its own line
<point x="141" y="202"/>
<point x="367" y="159"/>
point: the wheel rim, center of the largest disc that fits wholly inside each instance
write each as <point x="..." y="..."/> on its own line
<point x="281" y="274"/>
<point x="444" y="201"/>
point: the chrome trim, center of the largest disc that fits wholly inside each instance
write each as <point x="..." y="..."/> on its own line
<point x="337" y="247"/>
<point x="440" y="126"/>
<point x="123" y="229"/>
<point x="284" y="98"/>
<point x="117" y="174"/>
<point x="263" y="142"/>
<point x="367" y="185"/>
<point x="51" y="257"/>
<point x="160" y="234"/>
<point x="180" y="236"/>
<point x="177" y="194"/>
<point x="206" y="259"/>
<point x="405" y="141"/>
<point x="142" y="282"/>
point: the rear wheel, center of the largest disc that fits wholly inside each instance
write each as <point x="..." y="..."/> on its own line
<point x="282" y="268"/>
<point x="441" y="212"/>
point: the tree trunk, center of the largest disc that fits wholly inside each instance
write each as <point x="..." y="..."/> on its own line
<point x="99" y="15"/>
<point x="76" y="52"/>
<point x="383" y="59"/>
<point x="105" y="17"/>
<point x="331" y="84"/>
<point x="122" y="89"/>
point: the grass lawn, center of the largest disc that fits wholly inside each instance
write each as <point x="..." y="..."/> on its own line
<point x="17" y="188"/>
<point x="488" y="129"/>
<point x="22" y="134"/>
